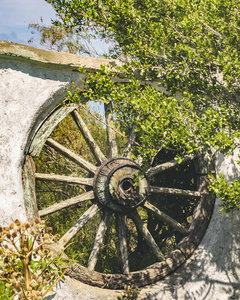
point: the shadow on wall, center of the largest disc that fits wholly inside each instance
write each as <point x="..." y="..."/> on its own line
<point x="210" y="276"/>
<point x="227" y="165"/>
<point x="213" y="272"/>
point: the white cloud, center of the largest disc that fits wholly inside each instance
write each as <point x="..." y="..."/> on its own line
<point x="15" y="15"/>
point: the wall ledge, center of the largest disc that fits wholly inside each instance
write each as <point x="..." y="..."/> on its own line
<point x="24" y="52"/>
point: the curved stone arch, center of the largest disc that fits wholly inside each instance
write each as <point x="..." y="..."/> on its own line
<point x="22" y="121"/>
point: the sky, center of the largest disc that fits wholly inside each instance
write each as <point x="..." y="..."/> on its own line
<point x="15" y="16"/>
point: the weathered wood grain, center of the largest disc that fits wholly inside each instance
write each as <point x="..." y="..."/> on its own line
<point x="165" y="218"/>
<point x="99" y="239"/>
<point x="64" y="179"/>
<point x="100" y="157"/>
<point x="48" y="126"/>
<point x="122" y="237"/>
<point x="71" y="155"/>
<point x="29" y="188"/>
<point x="142" y="228"/>
<point x="111" y="136"/>
<point x="165" y="166"/>
<point x="139" y="278"/>
<point x="200" y="220"/>
<point x="66" y="203"/>
<point x="79" y="224"/>
<point x="161" y="269"/>
<point x="172" y="191"/>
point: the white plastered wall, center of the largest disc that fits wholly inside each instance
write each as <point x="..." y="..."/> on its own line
<point x="32" y="82"/>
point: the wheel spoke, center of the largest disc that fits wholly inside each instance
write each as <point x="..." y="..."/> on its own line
<point x="112" y="143"/>
<point x="99" y="239"/>
<point x="175" y="192"/>
<point x="121" y="228"/>
<point x="100" y="157"/>
<point x="64" y="179"/>
<point x="79" y="224"/>
<point x="171" y="164"/>
<point x="142" y="228"/>
<point x="126" y="150"/>
<point x="71" y="155"/>
<point x="165" y="218"/>
<point x="67" y="203"/>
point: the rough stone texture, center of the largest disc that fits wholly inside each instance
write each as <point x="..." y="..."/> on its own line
<point x="60" y="60"/>
<point x="27" y="93"/>
<point x="72" y="289"/>
<point x="32" y="82"/>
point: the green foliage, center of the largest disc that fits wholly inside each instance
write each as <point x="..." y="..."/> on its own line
<point x="229" y="193"/>
<point x="5" y="293"/>
<point x="187" y="42"/>
<point x="130" y="292"/>
<point x="62" y="39"/>
<point x="160" y="121"/>
<point x="190" y="47"/>
<point x="28" y="267"/>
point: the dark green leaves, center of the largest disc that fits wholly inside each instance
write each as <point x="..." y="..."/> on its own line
<point x="229" y="192"/>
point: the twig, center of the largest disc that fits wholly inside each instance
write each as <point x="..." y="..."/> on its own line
<point x="55" y="282"/>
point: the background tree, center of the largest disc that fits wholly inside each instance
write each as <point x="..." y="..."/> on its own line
<point x="191" y="47"/>
<point x="65" y="39"/>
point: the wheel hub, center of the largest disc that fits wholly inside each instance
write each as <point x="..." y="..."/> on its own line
<point x="119" y="185"/>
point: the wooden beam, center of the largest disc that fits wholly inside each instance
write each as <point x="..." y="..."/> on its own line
<point x="122" y="238"/>
<point x="99" y="239"/>
<point x="142" y="228"/>
<point x="100" y="157"/>
<point x="91" y="212"/>
<point x="172" y="191"/>
<point x="64" y="179"/>
<point x="111" y="136"/>
<point x="171" y="164"/>
<point x="67" y="203"/>
<point x="29" y="188"/>
<point x="165" y="218"/>
<point x="48" y="126"/>
<point x="71" y="155"/>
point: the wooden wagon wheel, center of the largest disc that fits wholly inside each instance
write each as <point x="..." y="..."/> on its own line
<point x="112" y="191"/>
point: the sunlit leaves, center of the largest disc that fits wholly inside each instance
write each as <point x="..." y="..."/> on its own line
<point x="229" y="193"/>
<point x="190" y="47"/>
